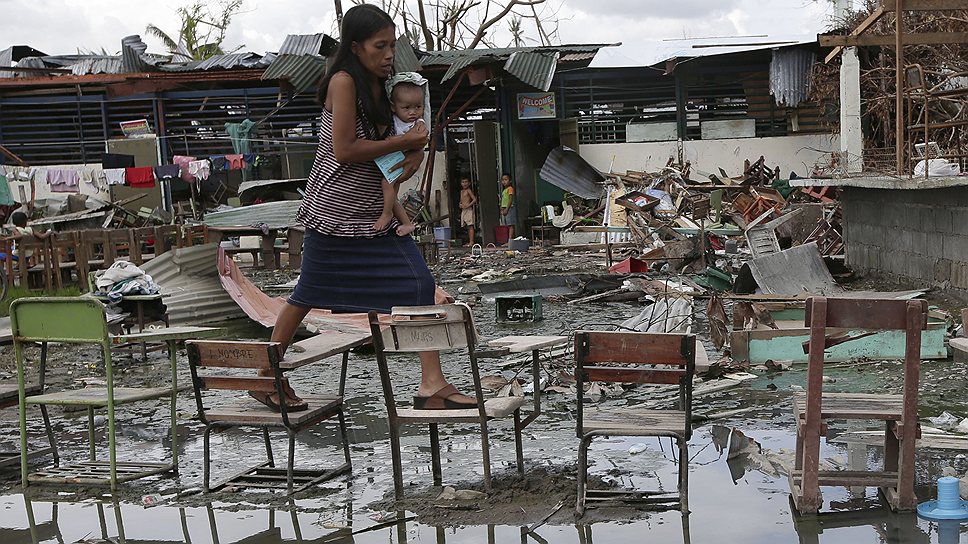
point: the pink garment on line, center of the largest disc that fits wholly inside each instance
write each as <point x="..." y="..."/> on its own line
<point x="182" y="161"/>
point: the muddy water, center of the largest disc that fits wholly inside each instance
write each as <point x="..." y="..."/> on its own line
<point x="743" y="498"/>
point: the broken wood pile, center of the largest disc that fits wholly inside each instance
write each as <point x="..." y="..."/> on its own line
<point x="666" y="220"/>
<point x="929" y="69"/>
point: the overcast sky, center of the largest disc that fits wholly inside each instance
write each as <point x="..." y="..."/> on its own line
<point x="647" y="28"/>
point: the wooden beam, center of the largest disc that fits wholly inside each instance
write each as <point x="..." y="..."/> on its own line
<point x="861" y="28"/>
<point x="926" y="38"/>
<point x="924" y="5"/>
<point x="899" y="86"/>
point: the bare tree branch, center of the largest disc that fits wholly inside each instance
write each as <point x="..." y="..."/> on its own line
<point x="497" y="18"/>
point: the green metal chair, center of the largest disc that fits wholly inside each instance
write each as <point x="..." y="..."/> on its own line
<point x="80" y="321"/>
<point x="10" y="396"/>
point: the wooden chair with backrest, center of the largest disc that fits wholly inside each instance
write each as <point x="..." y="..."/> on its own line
<point x="10" y="396"/>
<point x="80" y="320"/>
<point x="224" y="363"/>
<point x="415" y="329"/>
<point x="641" y="358"/>
<point x="34" y="264"/>
<point x="830" y="321"/>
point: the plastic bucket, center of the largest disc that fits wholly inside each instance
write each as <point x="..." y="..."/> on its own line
<point x="441" y="233"/>
<point x="501" y="234"/>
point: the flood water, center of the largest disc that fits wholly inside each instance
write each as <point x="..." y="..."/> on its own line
<point x="739" y="499"/>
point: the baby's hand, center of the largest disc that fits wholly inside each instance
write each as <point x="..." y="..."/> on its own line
<point x="405" y="228"/>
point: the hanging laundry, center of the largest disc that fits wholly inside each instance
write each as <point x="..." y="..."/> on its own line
<point x="249" y="159"/>
<point x="63" y="180"/>
<point x="199" y="169"/>
<point x="114" y="176"/>
<point x="235" y="162"/>
<point x="167" y="172"/>
<point x="24" y="173"/>
<point x="218" y="163"/>
<point x="6" y="197"/>
<point x="116" y="160"/>
<point x="142" y="177"/>
<point x="183" y="161"/>
<point x="240" y="133"/>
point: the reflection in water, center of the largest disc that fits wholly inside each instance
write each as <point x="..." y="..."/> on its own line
<point x="890" y="527"/>
<point x="585" y="531"/>
<point x="46" y="528"/>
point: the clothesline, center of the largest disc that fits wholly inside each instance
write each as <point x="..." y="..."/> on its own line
<point x="179" y="136"/>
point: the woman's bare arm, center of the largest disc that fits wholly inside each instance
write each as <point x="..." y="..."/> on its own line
<point x="341" y="100"/>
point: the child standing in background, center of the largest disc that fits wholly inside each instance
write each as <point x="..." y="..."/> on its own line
<point x="467" y="201"/>
<point x="509" y="216"/>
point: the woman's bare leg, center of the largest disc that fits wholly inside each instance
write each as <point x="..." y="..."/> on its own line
<point x="283" y="332"/>
<point x="432" y="377"/>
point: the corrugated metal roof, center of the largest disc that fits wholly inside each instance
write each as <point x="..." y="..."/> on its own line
<point x="132" y="48"/>
<point x="459" y="64"/>
<point x="533" y="68"/>
<point x="189" y="278"/>
<point x="302" y="44"/>
<point x="97" y="65"/>
<point x="303" y="72"/>
<point x="566" y="169"/>
<point x="444" y="58"/>
<point x="6" y="61"/>
<point x="790" y="71"/>
<point x="232" y="60"/>
<point x="274" y="214"/>
<point x="405" y="59"/>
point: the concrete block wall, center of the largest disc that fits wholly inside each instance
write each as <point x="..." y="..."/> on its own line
<point x="918" y="235"/>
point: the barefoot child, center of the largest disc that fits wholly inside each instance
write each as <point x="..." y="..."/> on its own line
<point x="409" y="104"/>
<point x="467" y="201"/>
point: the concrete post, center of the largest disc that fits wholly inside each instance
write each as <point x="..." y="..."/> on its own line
<point x="851" y="135"/>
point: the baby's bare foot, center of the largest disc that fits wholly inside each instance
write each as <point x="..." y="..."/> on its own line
<point x="383" y="221"/>
<point x="405" y="229"/>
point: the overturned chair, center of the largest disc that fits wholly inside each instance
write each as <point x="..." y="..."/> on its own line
<point x="229" y="358"/>
<point x="642" y="358"/>
<point x="415" y="329"/>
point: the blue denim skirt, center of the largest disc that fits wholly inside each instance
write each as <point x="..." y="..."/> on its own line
<point x="361" y="274"/>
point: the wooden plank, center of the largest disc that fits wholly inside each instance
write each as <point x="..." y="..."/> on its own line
<point x="98" y="396"/>
<point x="524" y="344"/>
<point x="861" y="28"/>
<point x="924" y="5"/>
<point x="257" y="413"/>
<point x="239" y="383"/>
<point x="320" y="347"/>
<point x="851" y="478"/>
<point x="169" y="333"/>
<point x="632" y="375"/>
<point x="630" y="347"/>
<point x="634" y="422"/>
<point x="884" y="40"/>
<point x="233" y="354"/>
<point x="872" y="314"/>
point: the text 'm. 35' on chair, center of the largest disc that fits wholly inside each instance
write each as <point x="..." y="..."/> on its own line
<point x="415" y="329"/>
<point x="232" y="366"/>
<point x="79" y="320"/>
<point x="642" y="358"/>
<point x="830" y="321"/>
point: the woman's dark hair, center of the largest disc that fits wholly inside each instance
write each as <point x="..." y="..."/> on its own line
<point x="360" y="23"/>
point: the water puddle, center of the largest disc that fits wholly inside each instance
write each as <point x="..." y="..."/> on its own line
<point x="738" y="490"/>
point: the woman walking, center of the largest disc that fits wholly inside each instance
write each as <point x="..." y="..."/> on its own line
<point x="347" y="265"/>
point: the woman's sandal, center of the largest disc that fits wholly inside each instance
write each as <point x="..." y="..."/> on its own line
<point x="440" y="400"/>
<point x="266" y="398"/>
